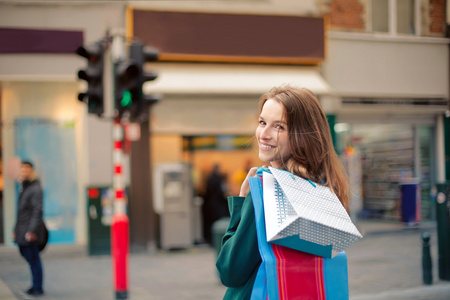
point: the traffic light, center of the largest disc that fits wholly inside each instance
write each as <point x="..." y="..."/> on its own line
<point x="126" y="76"/>
<point x="129" y="77"/>
<point x="139" y="54"/>
<point x="93" y="75"/>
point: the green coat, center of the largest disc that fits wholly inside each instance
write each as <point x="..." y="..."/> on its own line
<point x="239" y="258"/>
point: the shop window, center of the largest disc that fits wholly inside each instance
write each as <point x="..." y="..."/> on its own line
<point x="380" y="15"/>
<point x="405" y="16"/>
<point x="394" y="16"/>
<point x="387" y="159"/>
<point x="426" y="170"/>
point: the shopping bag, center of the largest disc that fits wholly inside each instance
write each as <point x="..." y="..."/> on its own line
<point x="305" y="216"/>
<point x="286" y="273"/>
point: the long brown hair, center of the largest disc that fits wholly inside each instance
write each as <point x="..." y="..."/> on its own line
<point x="313" y="155"/>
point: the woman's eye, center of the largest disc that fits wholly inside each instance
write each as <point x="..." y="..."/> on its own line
<point x="279" y="127"/>
<point x="262" y="123"/>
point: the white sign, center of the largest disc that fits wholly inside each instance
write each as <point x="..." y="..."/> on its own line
<point x="133" y="131"/>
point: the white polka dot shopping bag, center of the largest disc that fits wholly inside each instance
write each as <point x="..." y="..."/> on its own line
<point x="305" y="216"/>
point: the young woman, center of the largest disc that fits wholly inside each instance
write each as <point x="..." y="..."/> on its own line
<point x="292" y="134"/>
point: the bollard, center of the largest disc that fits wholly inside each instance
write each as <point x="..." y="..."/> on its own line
<point x="427" y="265"/>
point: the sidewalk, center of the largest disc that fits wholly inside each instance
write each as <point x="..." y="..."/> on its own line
<point x="385" y="264"/>
<point x="5" y="292"/>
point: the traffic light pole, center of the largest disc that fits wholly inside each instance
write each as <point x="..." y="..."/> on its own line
<point x="120" y="221"/>
<point x="108" y="83"/>
<point x="115" y="91"/>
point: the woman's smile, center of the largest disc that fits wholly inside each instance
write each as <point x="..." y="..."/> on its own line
<point x="266" y="147"/>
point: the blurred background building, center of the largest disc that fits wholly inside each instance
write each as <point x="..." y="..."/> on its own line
<point x="379" y="67"/>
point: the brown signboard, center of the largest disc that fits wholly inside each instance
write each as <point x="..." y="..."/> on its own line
<point x="214" y="37"/>
<point x="20" y="40"/>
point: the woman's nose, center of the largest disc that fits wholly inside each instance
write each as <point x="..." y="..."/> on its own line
<point x="265" y="133"/>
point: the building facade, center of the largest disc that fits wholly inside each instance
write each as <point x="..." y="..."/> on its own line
<point x="387" y="66"/>
<point x="382" y="78"/>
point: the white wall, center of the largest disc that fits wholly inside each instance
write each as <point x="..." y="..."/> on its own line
<point x="192" y="115"/>
<point x="92" y="19"/>
<point x="374" y="67"/>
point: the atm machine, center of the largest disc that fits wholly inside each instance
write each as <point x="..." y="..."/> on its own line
<point x="173" y="196"/>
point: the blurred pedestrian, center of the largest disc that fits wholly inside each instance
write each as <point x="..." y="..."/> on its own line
<point x="292" y="134"/>
<point x="30" y="232"/>
<point x="215" y="205"/>
<point x="239" y="176"/>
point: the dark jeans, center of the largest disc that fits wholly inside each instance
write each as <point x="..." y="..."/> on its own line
<point x="31" y="255"/>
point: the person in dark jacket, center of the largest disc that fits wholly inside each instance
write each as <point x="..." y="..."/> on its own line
<point x="29" y="231"/>
<point x="215" y="206"/>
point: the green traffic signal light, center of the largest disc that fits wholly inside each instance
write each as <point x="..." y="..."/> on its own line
<point x="126" y="100"/>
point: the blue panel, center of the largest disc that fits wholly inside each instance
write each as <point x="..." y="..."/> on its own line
<point x="50" y="145"/>
<point x="61" y="236"/>
<point x="409" y="202"/>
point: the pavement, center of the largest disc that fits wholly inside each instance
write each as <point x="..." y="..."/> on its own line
<point x="385" y="264"/>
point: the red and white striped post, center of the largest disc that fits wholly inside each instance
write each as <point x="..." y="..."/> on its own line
<point x="120" y="222"/>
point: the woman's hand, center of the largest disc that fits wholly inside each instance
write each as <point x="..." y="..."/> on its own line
<point x="245" y="187"/>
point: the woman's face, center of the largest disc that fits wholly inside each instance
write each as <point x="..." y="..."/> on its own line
<point x="272" y="135"/>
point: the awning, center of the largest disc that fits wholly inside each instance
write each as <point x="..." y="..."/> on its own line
<point x="187" y="78"/>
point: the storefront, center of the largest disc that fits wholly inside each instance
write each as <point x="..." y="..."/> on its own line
<point x="390" y="154"/>
<point x="392" y="95"/>
<point x="42" y="119"/>
<point x="381" y="92"/>
<point x="213" y="68"/>
<point x="219" y="102"/>
<point x="211" y="78"/>
<point x="214" y="127"/>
